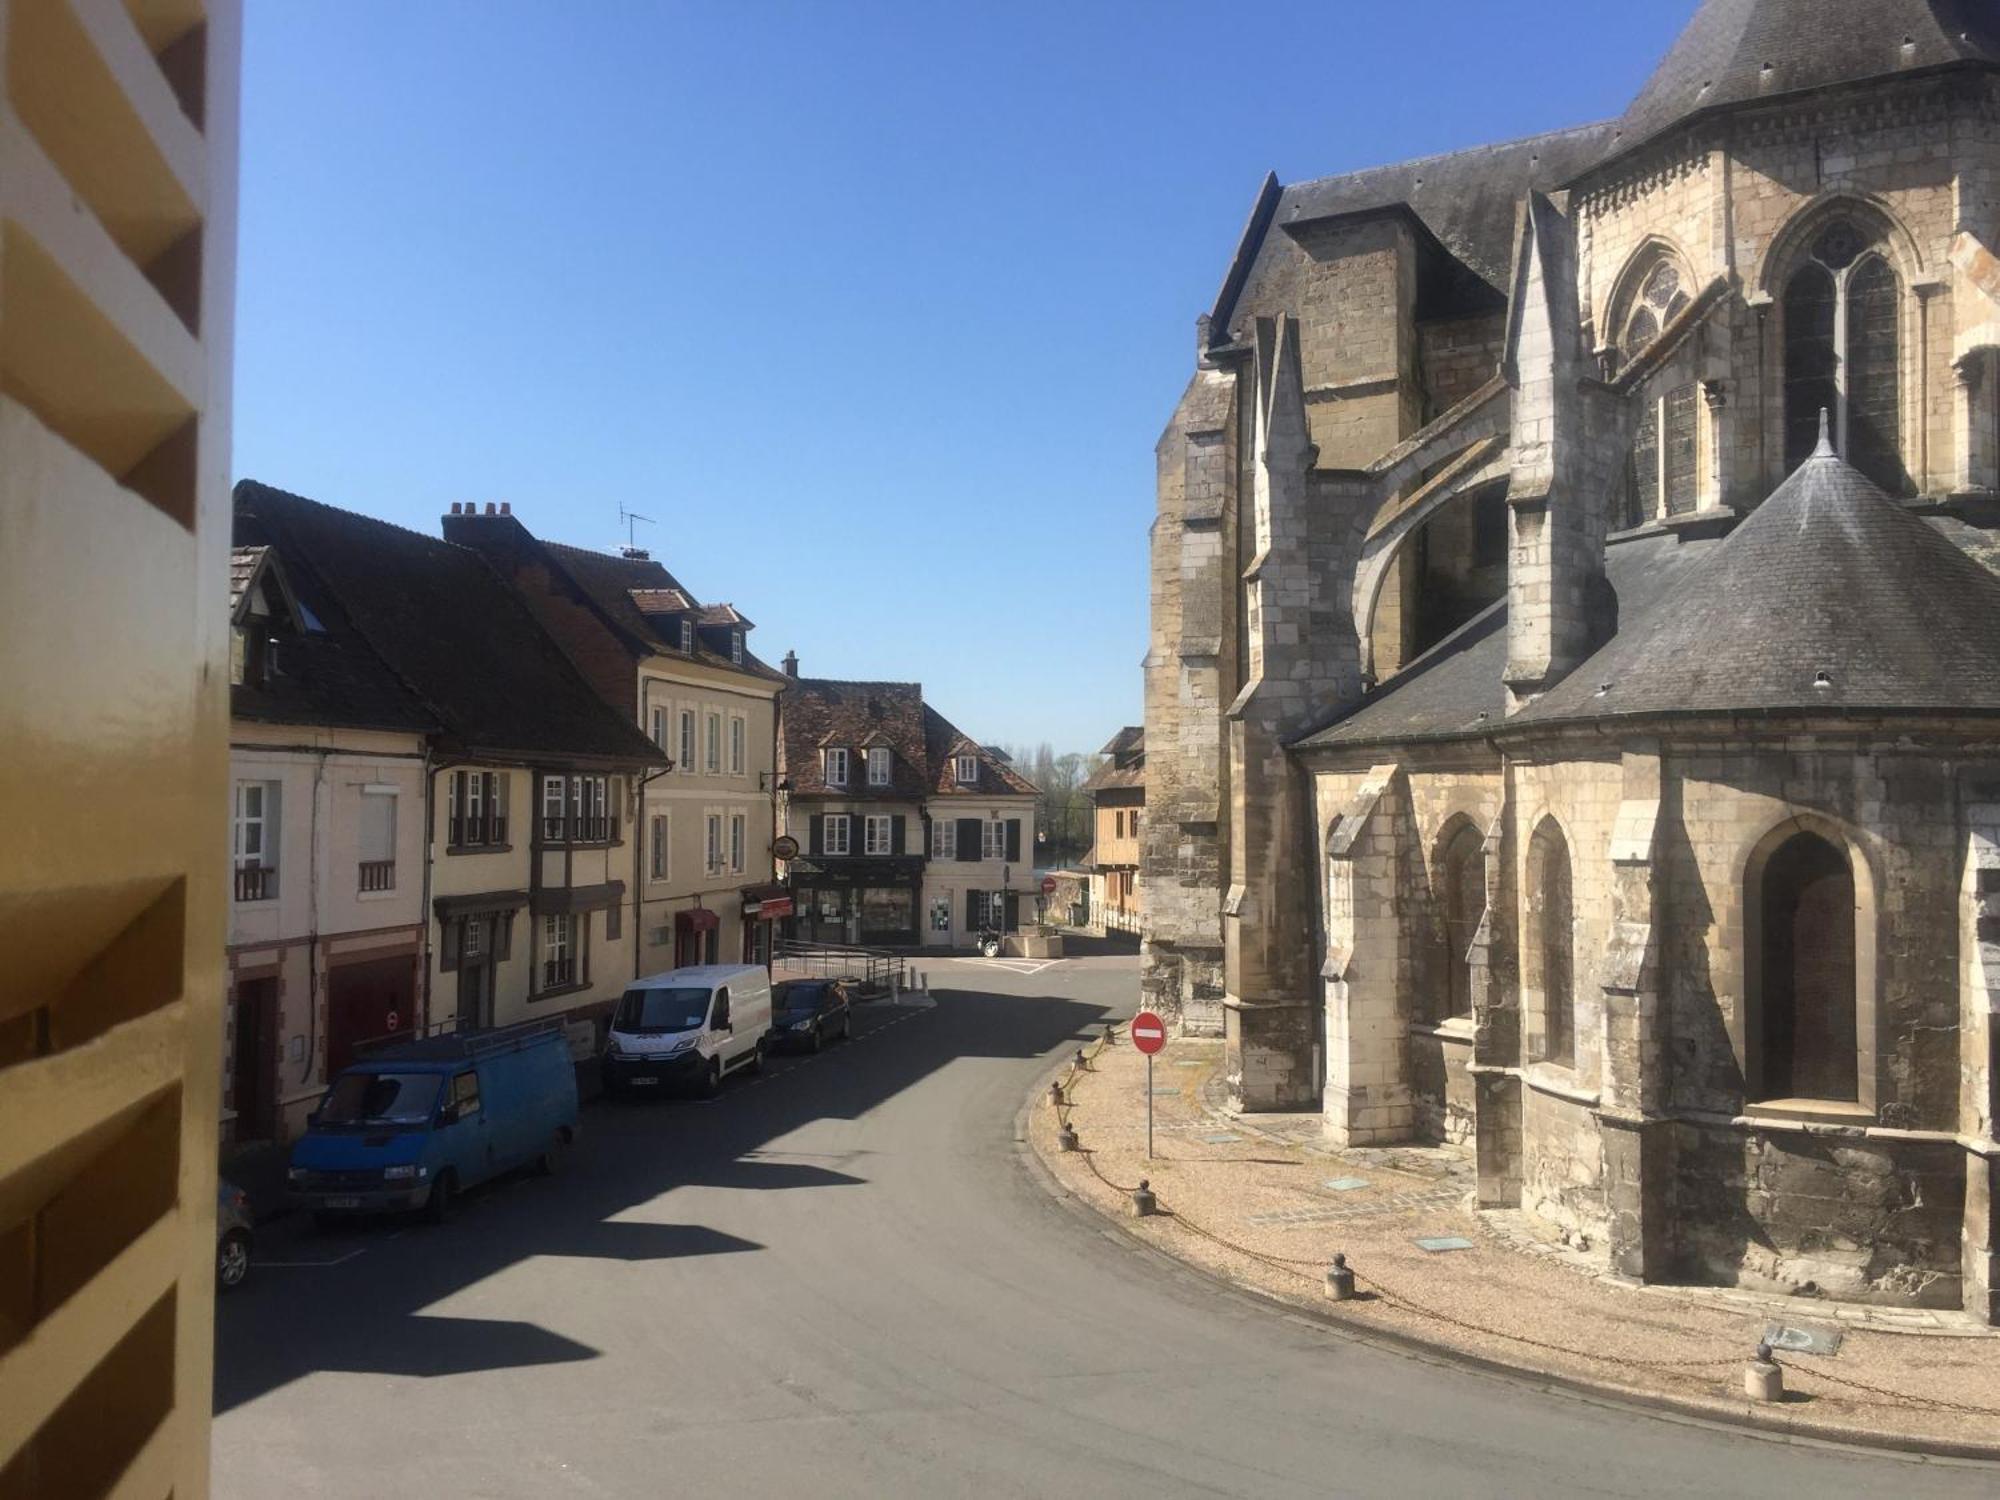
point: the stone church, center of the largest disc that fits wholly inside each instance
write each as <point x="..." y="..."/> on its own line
<point x="1573" y="704"/>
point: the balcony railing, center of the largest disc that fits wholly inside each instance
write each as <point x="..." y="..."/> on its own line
<point x="256" y="883"/>
<point x="378" y="875"/>
<point x="473" y="833"/>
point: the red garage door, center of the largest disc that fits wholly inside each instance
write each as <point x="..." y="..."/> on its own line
<point x="364" y="1001"/>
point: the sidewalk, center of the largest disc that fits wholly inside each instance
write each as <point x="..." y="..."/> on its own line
<point x="1261" y="1201"/>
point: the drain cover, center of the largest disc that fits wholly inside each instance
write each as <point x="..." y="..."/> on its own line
<point x="1436" y="1242"/>
<point x="1221" y="1140"/>
<point x="1345" y="1184"/>
<point x="1806" y="1340"/>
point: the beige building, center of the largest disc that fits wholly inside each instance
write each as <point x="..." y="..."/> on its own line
<point x="702" y="885"/>
<point x="1117" y="791"/>
<point x="1571" y="700"/>
<point x="117" y="255"/>
<point x="327" y="758"/>
<point x="528" y="786"/>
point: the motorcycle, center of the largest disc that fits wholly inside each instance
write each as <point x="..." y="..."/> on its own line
<point x="989" y="943"/>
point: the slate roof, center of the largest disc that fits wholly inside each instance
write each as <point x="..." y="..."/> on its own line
<point x="1125" y="763"/>
<point x="818" y="712"/>
<point x="446" y="629"/>
<point x="1828" y="575"/>
<point x="1741" y="51"/>
<point x="616" y="585"/>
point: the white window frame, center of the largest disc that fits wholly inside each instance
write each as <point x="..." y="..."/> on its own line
<point x="992" y="838"/>
<point x="828" y="824"/>
<point x="660" y="846"/>
<point x="713" y="847"/>
<point x="879" y="765"/>
<point x="877" y="832"/>
<point x="687" y="740"/>
<point x="965" y="769"/>
<point x="687" y="637"/>
<point x="660" y="727"/>
<point x="558" y="966"/>
<point x="739" y="839"/>
<point x="739" y="738"/>
<point x="836" y="766"/>
<point x="713" y="761"/>
<point x="555" y="809"/>
<point x="944" y="838"/>
<point x="736" y="647"/>
<point x="264" y="820"/>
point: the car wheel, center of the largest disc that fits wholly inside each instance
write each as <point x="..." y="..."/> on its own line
<point x="818" y="1037"/>
<point x="232" y="1260"/>
<point x="756" y="1064"/>
<point x="711" y="1081"/>
<point x="846" y="1024"/>
<point x="553" y="1153"/>
<point x="437" y="1207"/>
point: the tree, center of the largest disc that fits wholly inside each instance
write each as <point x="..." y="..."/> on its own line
<point x="1063" y="811"/>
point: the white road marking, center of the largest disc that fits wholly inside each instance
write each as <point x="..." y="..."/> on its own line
<point x="1026" y="967"/>
<point x="338" y="1260"/>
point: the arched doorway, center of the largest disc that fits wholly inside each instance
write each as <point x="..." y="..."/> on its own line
<point x="1806" y="1002"/>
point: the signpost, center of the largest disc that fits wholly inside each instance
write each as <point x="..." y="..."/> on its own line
<point x="1149" y="1035"/>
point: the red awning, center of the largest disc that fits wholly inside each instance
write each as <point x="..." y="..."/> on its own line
<point x="769" y="908"/>
<point x="697" y="919"/>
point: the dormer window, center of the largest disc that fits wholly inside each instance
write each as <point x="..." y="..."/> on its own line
<point x="736" y="647"/>
<point x="687" y="638"/>
<point x="878" y="766"/>
<point x="836" y="768"/>
<point x="966" y="769"/>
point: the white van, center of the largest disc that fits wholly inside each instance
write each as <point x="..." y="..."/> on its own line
<point x="688" y="1027"/>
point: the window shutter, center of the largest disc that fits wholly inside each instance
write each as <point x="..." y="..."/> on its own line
<point x="448" y="934"/>
<point x="503" y="941"/>
<point x="1013" y="839"/>
<point x="614" y="921"/>
<point x="972" y="911"/>
<point x="969" y="831"/>
<point x="816" y="834"/>
<point x="1012" y="909"/>
<point x="896" y="834"/>
<point x="617" y="808"/>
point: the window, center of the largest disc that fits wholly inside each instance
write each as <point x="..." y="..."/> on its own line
<point x="590" y="809"/>
<point x="1553" y="935"/>
<point x="1806" y="1027"/>
<point x="255" y="839"/>
<point x="377" y="841"/>
<point x="471" y="939"/>
<point x="878" y="765"/>
<point x="1463" y="869"/>
<point x="687" y="739"/>
<point x="736" y="647"/>
<point x="992" y="840"/>
<point x="1660" y="300"/>
<point x="738" y="735"/>
<point x="944" y="839"/>
<point x="660" y="727"/>
<point x="836" y="767"/>
<point x="1665" y="448"/>
<point x="737" y="839"/>
<point x="1132" y="823"/>
<point x="555" y="798"/>
<point x="465" y="1095"/>
<point x="875" y="835"/>
<point x="714" y="744"/>
<point x="687" y="637"/>
<point x="715" y="843"/>
<point x="1118" y="825"/>
<point x="965" y="769"/>
<point x="561" y="964"/>
<point x="941" y="914"/>
<point x="1840" y="321"/>
<point x="476" y="809"/>
<point x="835" y="836"/>
<point x="658" y="846"/>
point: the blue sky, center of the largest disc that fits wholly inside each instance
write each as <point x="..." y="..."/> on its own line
<point x="877" y="309"/>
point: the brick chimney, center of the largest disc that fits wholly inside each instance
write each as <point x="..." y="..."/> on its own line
<point x="791" y="663"/>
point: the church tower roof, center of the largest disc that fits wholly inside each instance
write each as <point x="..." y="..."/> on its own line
<point x="1829" y="596"/>
<point x="1740" y="51"/>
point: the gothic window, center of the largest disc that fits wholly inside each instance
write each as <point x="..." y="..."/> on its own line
<point x="1807" y="997"/>
<point x="1660" y="300"/>
<point x="1665" y="453"/>
<point x="1841" y="354"/>
<point x="1464" y="868"/>
<point x="1552" y="930"/>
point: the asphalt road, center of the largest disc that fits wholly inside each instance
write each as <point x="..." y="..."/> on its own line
<point x="840" y="1281"/>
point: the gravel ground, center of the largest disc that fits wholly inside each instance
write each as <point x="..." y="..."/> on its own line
<point x="1274" y="1204"/>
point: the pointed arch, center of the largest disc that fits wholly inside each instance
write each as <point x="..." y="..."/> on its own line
<point x="1458" y="873"/>
<point x="1654" y="287"/>
<point x="1549" y="977"/>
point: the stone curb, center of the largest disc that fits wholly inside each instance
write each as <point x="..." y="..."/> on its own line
<point x="1746" y="1419"/>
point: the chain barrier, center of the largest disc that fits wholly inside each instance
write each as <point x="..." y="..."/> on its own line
<point x="1903" y="1398"/>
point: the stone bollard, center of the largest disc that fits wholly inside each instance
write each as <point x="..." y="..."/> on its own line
<point x="1056" y="1100"/>
<point x="1109" y="1039"/>
<point x="1082" y="1062"/>
<point x="1763" y="1379"/>
<point x="1144" y="1204"/>
<point x="1340" y="1280"/>
<point x="1066" y="1139"/>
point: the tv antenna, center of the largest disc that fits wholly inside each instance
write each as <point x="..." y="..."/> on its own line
<point x="630" y="520"/>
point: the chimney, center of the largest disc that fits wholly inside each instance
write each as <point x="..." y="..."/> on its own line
<point x="455" y="510"/>
<point x="506" y="507"/>
<point x="492" y="509"/>
<point x="791" y="663"/>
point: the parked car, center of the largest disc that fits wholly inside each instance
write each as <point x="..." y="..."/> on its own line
<point x="807" y="1013"/>
<point x="234" y="1236"/>
<point x="414" y="1124"/>
<point x="688" y="1028"/>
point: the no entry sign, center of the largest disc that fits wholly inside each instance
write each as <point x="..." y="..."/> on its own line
<point x="1149" y="1032"/>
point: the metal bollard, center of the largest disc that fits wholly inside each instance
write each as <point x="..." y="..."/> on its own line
<point x="1144" y="1204"/>
<point x="1056" y="1100"/>
<point x="1066" y="1139"/>
<point x="1763" y="1378"/>
<point x="1082" y="1062"/>
<point x="1109" y="1039"/>
<point x="1340" y="1280"/>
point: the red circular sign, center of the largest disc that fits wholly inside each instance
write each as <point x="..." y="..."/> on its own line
<point x="392" y="1020"/>
<point x="1149" y="1032"/>
<point x="1048" y="885"/>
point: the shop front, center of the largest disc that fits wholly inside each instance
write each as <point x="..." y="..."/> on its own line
<point x="764" y="906"/>
<point x="697" y="937"/>
<point x="867" y="902"/>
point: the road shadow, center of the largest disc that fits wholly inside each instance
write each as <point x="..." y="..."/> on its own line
<point x="365" y="1314"/>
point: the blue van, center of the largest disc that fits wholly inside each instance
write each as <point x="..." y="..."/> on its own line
<point x="413" y="1124"/>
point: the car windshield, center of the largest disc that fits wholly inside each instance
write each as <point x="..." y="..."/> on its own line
<point x="801" y="999"/>
<point x="656" y="1010"/>
<point x="370" y="1098"/>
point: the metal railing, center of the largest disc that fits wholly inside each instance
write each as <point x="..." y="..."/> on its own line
<point x="378" y="874"/>
<point x="256" y="883"/>
<point x="876" y="969"/>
